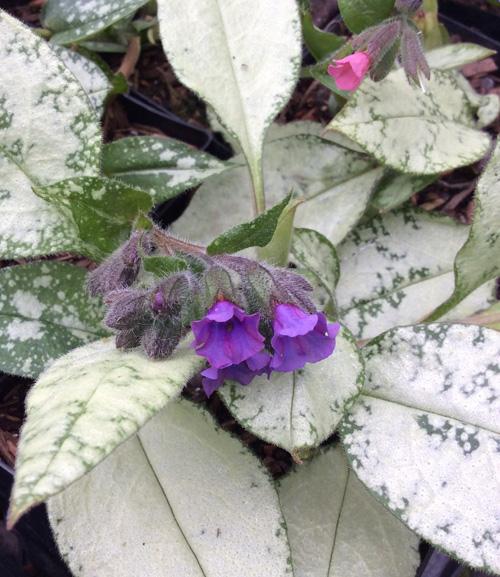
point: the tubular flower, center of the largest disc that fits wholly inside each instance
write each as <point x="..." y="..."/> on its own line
<point x="350" y="71"/>
<point x="227" y="335"/>
<point x="300" y="338"/>
<point x="243" y="372"/>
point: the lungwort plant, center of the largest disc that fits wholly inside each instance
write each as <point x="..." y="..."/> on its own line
<point x="138" y="479"/>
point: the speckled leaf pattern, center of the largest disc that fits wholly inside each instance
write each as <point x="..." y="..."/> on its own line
<point x="75" y="20"/>
<point x="485" y="107"/>
<point x="396" y="188"/>
<point x="336" y="528"/>
<point x="456" y="55"/>
<point x="162" y="167"/>
<point x="316" y="253"/>
<point x="48" y="132"/>
<point x="336" y="183"/>
<point x="85" y="405"/>
<point x="103" y="209"/>
<point x="45" y="312"/>
<point x="412" y="131"/>
<point x="89" y="75"/>
<point x="300" y="409"/>
<point x="249" y="57"/>
<point x="188" y="499"/>
<point x="424" y="436"/>
<point x="479" y="258"/>
<point x="392" y="272"/>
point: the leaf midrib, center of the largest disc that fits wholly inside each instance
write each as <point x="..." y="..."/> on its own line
<point x="52" y="323"/>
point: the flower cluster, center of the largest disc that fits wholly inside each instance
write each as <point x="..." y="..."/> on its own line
<point x="248" y="318"/>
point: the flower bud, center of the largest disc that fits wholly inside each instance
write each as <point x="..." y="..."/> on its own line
<point x="413" y="56"/>
<point x="159" y="340"/>
<point x="408" y="7"/>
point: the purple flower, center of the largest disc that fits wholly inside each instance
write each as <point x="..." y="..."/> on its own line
<point x="300" y="338"/>
<point x="227" y="335"/>
<point x="243" y="372"/>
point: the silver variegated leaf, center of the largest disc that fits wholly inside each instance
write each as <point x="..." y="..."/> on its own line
<point x="412" y="131"/>
<point x="85" y="405"/>
<point x="49" y="132"/>
<point x="187" y="499"/>
<point x="300" y="409"/>
<point x="424" y="435"/>
<point x="336" y="528"/>
<point x="246" y="77"/>
<point x="456" y="55"/>
<point x="45" y="312"/>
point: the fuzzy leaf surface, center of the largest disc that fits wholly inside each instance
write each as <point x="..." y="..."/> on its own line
<point x="456" y="55"/>
<point x="93" y="80"/>
<point x="162" y="167"/>
<point x="424" y="435"/>
<point x="479" y="258"/>
<point x="75" y="20"/>
<point x="45" y="311"/>
<point x="188" y="498"/>
<point x="335" y="527"/>
<point x="103" y="209"/>
<point x="257" y="232"/>
<point x="392" y="271"/>
<point x="300" y="409"/>
<point x="258" y="70"/>
<point x="48" y="132"/>
<point x="335" y="182"/>
<point x="410" y="131"/>
<point x="85" y="405"/>
<point x="360" y="14"/>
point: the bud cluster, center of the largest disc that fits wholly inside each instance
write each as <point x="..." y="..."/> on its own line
<point x="248" y="318"/>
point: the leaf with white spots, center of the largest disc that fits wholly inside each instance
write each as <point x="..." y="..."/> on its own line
<point x="317" y="254"/>
<point x="486" y="107"/>
<point x="335" y="527"/>
<point x="412" y="131"/>
<point x="74" y="20"/>
<point x="188" y="500"/>
<point x="103" y="209"/>
<point x="45" y="311"/>
<point x="89" y="75"/>
<point x="85" y="405"/>
<point x="391" y="272"/>
<point x="247" y="77"/>
<point x="424" y="435"/>
<point x="456" y="55"/>
<point x="479" y="258"/>
<point x="335" y="182"/>
<point x="396" y="188"/>
<point x="48" y="132"/>
<point x="300" y="409"/>
<point x="162" y="167"/>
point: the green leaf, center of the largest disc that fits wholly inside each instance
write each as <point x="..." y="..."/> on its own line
<point x="162" y="167"/>
<point x="396" y="268"/>
<point x="361" y="14"/>
<point x="396" y="188"/>
<point x="335" y="182"/>
<point x="257" y="71"/>
<point x="299" y="410"/>
<point x="316" y="253"/>
<point x="424" y="435"/>
<point x="45" y="312"/>
<point x="479" y="258"/>
<point x="336" y="529"/>
<point x="321" y="44"/>
<point x="456" y="55"/>
<point x="76" y="20"/>
<point x="85" y="405"/>
<point x="103" y="209"/>
<point x="48" y="132"/>
<point x="89" y="75"/>
<point x="412" y="131"/>
<point x="257" y="232"/>
<point x="486" y="107"/>
<point x="162" y="266"/>
<point x="188" y="499"/>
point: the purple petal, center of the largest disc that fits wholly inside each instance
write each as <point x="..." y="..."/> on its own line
<point x="291" y="321"/>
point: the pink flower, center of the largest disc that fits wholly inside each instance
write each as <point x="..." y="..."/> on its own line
<point x="349" y="72"/>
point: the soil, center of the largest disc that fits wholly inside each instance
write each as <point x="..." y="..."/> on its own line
<point x="153" y="77"/>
